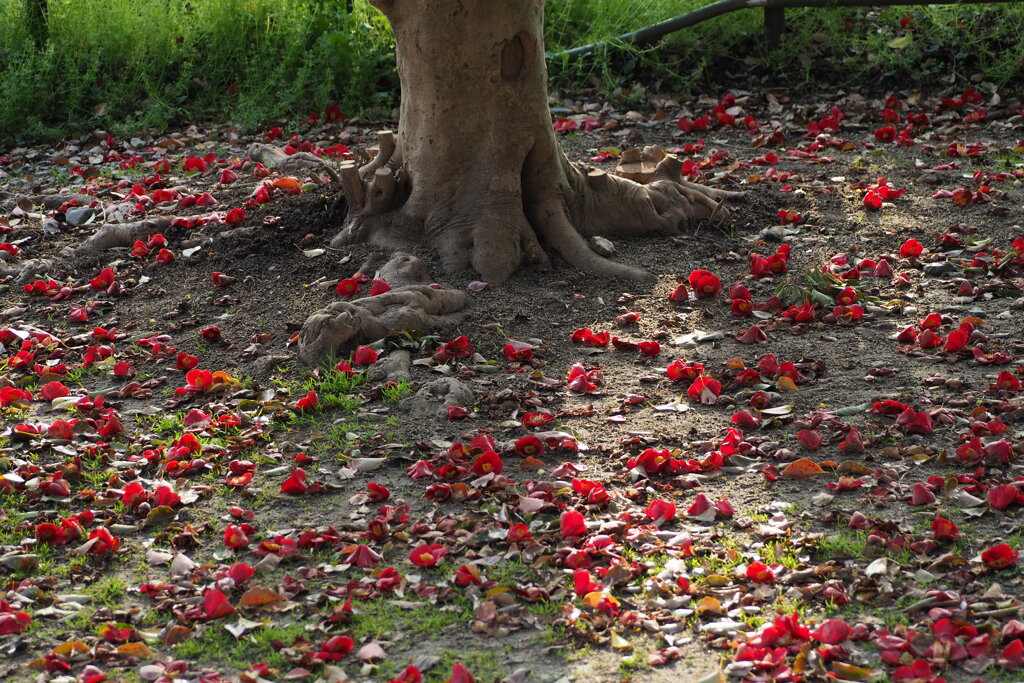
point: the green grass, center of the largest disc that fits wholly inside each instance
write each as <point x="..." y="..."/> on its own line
<point x="248" y="62"/>
<point x="214" y="646"/>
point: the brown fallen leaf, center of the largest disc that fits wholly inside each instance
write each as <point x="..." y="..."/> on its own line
<point x="259" y="596"/>
<point x="802" y="469"/>
<point x="134" y="650"/>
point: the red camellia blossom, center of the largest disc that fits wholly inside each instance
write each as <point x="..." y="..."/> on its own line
<point x="741" y="308"/>
<point x="999" y="556"/>
<point x="295" y="484"/>
<point x="680" y="293"/>
<point x="704" y="390"/>
<point x="517" y="351"/>
<point x="847" y="297"/>
<point x="654" y="461"/>
<point x="759" y="572"/>
<point x="589" y="338"/>
<point x="335" y="648"/>
<point x="519" y="533"/>
<point x="210" y="333"/>
<point x="165" y="256"/>
<point x="886" y="134"/>
<point x="488" y="462"/>
<point x="810" y="438"/>
<point x="364" y="355"/>
<point x="832" y="632"/>
<point x="529" y="446"/>
<point x="236" y="537"/>
<point x="427" y="555"/>
<point x="572" y="523"/>
<point x="307" y="402"/>
<point x="680" y="371"/>
<point x="1005" y="382"/>
<point x="661" y="511"/>
<point x="194" y="164"/>
<point x="379" y="286"/>
<point x="911" y="249"/>
<point x="704" y="283"/>
<point x="13" y="622"/>
<point x="234" y="217"/>
<point x="944" y="530"/>
<point x="104" y="280"/>
<point x="348" y="287"/>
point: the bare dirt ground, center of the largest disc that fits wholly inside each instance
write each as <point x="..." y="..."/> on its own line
<point x="814" y="474"/>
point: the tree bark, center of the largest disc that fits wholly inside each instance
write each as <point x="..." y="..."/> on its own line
<point x="476" y="171"/>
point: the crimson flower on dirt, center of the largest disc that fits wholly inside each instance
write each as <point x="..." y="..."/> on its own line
<point x="102" y="542"/>
<point x="364" y="355"/>
<point x="680" y="293"/>
<point x="488" y="462"/>
<point x="589" y="338"/>
<point x="334" y="649"/>
<point x="517" y="351"/>
<point x="12" y="622"/>
<point x="1007" y="382"/>
<point x="185" y="362"/>
<point x="234" y="216"/>
<point x="211" y="334"/>
<point x="704" y="284"/>
<point x="759" y="572"/>
<point x="683" y="371"/>
<point x="194" y="165"/>
<point x="165" y="256"/>
<point x="571" y="523"/>
<point x="583" y="582"/>
<point x="649" y="349"/>
<point x="519" y="533"/>
<point x="846" y="297"/>
<point x="228" y="176"/>
<point x="427" y="555"/>
<point x="832" y="632"/>
<point x="654" y="461"/>
<point x="460" y="347"/>
<point x="911" y="249"/>
<point x="944" y="530"/>
<point x="583" y="381"/>
<point x="529" y="446"/>
<point x="999" y="556"/>
<point x="661" y="511"/>
<point x="295" y="484"/>
<point x="705" y="390"/>
<point x="307" y="402"/>
<point x="48" y="391"/>
<point x="457" y="412"/>
<point x="104" y="280"/>
<point x="236" y="536"/>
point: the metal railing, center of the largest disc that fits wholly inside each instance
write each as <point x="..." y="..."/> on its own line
<point x="774" y="18"/>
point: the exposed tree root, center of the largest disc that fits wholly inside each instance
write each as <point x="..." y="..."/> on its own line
<point x="408" y="306"/>
<point x="555" y="202"/>
<point x="25" y="271"/>
<point x="113" y="235"/>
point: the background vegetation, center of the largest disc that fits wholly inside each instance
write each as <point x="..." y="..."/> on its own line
<point x="125" y="64"/>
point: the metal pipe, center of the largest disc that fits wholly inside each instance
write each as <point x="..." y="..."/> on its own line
<point x="715" y="9"/>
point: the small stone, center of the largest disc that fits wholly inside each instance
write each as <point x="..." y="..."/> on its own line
<point x="602" y="246"/>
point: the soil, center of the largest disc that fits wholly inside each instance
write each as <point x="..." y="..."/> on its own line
<point x="524" y="617"/>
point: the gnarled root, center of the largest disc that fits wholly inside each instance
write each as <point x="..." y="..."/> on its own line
<point x="409" y="306"/>
<point x="114" y="235"/>
<point x="494" y="223"/>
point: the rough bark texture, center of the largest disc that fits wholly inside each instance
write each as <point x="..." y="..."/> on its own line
<point x="475" y="169"/>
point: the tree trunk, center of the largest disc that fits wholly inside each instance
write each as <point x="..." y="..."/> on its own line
<point x="476" y="171"/>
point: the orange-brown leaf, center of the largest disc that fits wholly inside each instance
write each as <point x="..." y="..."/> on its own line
<point x="259" y="596"/>
<point x="802" y="469"/>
